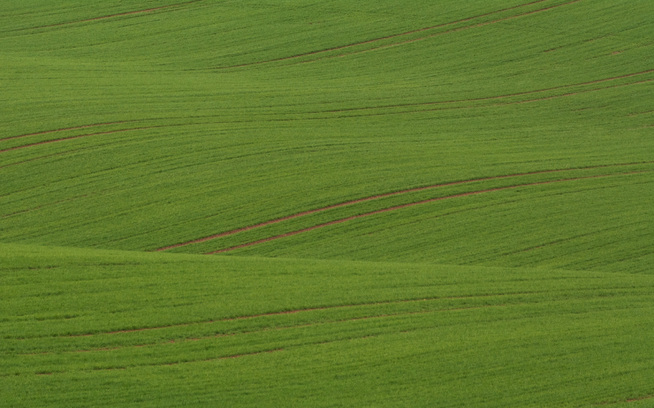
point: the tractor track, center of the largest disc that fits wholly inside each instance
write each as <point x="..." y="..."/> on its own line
<point x="406" y="33"/>
<point x="384" y="195"/>
<point x="279" y="328"/>
<point x="407" y="205"/>
<point x="510" y="95"/>
<point x="356" y="109"/>
<point x="288" y="312"/>
<point x="111" y="16"/>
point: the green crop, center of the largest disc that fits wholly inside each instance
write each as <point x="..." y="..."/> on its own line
<point x="291" y="203"/>
<point x="189" y="329"/>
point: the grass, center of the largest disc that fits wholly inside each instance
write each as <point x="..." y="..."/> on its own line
<point x="174" y="327"/>
<point x="455" y="198"/>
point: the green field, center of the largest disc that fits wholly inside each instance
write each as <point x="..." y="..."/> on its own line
<point x="294" y="203"/>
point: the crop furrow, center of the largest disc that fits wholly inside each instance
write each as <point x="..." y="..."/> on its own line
<point x="287" y="312"/>
<point x="403" y="34"/>
<point x="385" y="195"/>
<point x="402" y="206"/>
<point x="511" y="95"/>
<point x="454" y="30"/>
<point x="75" y="137"/>
<point x="110" y="16"/>
<point x="288" y="327"/>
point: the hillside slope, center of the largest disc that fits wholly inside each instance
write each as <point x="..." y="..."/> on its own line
<point x="330" y="203"/>
<point x="126" y="328"/>
<point x="149" y="127"/>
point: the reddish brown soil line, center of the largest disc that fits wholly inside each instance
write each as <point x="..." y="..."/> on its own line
<point x="38" y="158"/>
<point x="640" y="113"/>
<point x="28" y="210"/>
<point x="229" y="319"/>
<point x="418" y="104"/>
<point x="233" y="356"/>
<point x="343" y="47"/>
<point x="254" y="353"/>
<point x="378" y="196"/>
<point x="643" y="398"/>
<point x="398" y="207"/>
<point x="304" y="325"/>
<point x="452" y="30"/>
<point x="70" y="128"/>
<point x="546" y="98"/>
<point x="564" y="240"/>
<point x="367" y="108"/>
<point x="127" y="13"/>
<point x="285" y="312"/>
<point x="247" y="354"/>
<point x="75" y="137"/>
<point x="488" y="98"/>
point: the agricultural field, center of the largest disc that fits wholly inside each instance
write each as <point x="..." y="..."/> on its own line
<point x="326" y="204"/>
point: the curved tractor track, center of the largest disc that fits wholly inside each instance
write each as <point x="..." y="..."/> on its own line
<point x="399" y="207"/>
<point x="320" y="54"/>
<point x="112" y="16"/>
<point x="395" y="193"/>
<point x="363" y="109"/>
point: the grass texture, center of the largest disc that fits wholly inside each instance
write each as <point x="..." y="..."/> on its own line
<point x="125" y="328"/>
<point x="293" y="203"/>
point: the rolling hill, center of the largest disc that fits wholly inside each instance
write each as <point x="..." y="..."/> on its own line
<point x="294" y="203"/>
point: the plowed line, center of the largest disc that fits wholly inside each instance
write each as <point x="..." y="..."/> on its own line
<point x="127" y="13"/>
<point x="65" y="129"/>
<point x="295" y="345"/>
<point x="398" y="207"/>
<point x="469" y="106"/>
<point x="347" y="110"/>
<point x="289" y="327"/>
<point x="27" y="210"/>
<point x="344" y="47"/>
<point x="78" y="137"/>
<point x="643" y="398"/>
<point x="451" y="31"/>
<point x="286" y="312"/>
<point x="489" y="98"/>
<point x="229" y="357"/>
<point x="47" y="156"/>
<point x="567" y="239"/>
<point x="378" y="196"/>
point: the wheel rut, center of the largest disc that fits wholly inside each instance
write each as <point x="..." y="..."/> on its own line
<point x="371" y="198"/>
<point x="320" y="53"/>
